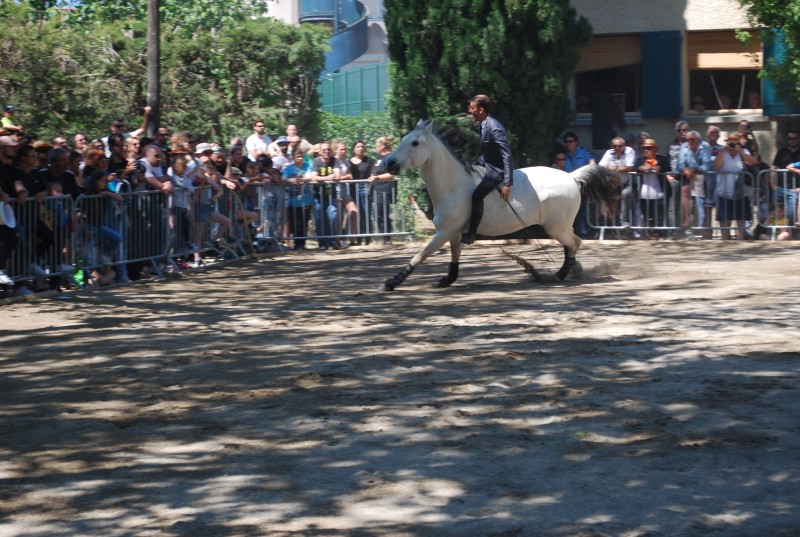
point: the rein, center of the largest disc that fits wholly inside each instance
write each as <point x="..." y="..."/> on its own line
<point x="542" y="251"/>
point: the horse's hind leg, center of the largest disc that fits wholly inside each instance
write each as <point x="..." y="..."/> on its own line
<point x="571" y="244"/>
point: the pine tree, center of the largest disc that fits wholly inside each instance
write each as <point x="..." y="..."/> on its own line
<point x="521" y="53"/>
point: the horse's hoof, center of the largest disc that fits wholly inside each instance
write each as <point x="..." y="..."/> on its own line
<point x="385" y="288"/>
<point x="444" y="282"/>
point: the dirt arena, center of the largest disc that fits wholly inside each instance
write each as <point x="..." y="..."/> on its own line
<point x="656" y="395"/>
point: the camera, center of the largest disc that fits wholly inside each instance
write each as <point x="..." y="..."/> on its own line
<point x="732" y="144"/>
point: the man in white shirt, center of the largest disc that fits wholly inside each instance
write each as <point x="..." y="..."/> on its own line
<point x="621" y="158"/>
<point x="154" y="175"/>
<point x="258" y="142"/>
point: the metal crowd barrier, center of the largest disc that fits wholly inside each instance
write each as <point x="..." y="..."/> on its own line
<point x="45" y="245"/>
<point x="330" y="213"/>
<point x="60" y="236"/>
<point x="637" y="217"/>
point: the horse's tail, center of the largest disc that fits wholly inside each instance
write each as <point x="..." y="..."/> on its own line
<point x="599" y="185"/>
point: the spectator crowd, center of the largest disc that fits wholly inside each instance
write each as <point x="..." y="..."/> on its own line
<point x="82" y="210"/>
<point x="719" y="186"/>
<point x="79" y="210"/>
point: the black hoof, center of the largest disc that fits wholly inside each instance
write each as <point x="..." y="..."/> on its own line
<point x="564" y="271"/>
<point x="444" y="282"/>
<point x="386" y="287"/>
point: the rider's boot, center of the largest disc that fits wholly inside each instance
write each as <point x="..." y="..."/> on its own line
<point x="474" y="221"/>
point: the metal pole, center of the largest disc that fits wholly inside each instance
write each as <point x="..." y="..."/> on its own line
<point x="153" y="66"/>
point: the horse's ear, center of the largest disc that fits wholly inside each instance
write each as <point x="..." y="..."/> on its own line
<point x="420" y="124"/>
<point x="426" y="125"/>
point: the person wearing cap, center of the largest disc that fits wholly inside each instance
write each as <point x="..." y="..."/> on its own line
<point x="731" y="196"/>
<point x="42" y="149"/>
<point x="8" y="123"/>
<point x="283" y="158"/>
<point x="654" y="190"/>
<point x="219" y="159"/>
<point x="118" y="126"/>
<point x="258" y="142"/>
<point x="295" y="141"/>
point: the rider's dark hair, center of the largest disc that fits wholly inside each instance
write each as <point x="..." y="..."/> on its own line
<point x="483" y="101"/>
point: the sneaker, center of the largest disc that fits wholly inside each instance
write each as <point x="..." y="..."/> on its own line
<point x="197" y="264"/>
<point x="36" y="270"/>
<point x="4" y="279"/>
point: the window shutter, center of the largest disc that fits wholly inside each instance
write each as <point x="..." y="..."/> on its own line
<point x="661" y="74"/>
<point x="771" y="100"/>
<point x="607" y="51"/>
<point x="721" y="50"/>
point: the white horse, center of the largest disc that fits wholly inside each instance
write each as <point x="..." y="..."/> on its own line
<point x="540" y="195"/>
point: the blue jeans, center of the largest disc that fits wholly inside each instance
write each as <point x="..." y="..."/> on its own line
<point x="329" y="225"/>
<point x="107" y="238"/>
<point x="788" y="198"/>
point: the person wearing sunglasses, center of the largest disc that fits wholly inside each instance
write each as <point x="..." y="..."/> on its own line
<point x="694" y="160"/>
<point x="621" y="158"/>
<point x="785" y="185"/>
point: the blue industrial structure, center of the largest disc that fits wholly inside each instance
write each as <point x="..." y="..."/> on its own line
<point x="348" y="22"/>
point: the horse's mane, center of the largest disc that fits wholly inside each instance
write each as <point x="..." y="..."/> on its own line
<point x="458" y="135"/>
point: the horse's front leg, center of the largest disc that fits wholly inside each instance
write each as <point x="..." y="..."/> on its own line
<point x="437" y="242"/>
<point x="452" y="269"/>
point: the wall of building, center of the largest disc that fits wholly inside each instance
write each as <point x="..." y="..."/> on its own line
<point x="636" y="16"/>
<point x="287" y="11"/>
<point x="633" y="16"/>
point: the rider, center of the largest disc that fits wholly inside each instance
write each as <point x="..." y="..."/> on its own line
<point x="495" y="157"/>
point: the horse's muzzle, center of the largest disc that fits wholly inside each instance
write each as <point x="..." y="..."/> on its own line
<point x="391" y="165"/>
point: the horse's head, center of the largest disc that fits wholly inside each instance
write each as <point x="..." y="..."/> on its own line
<point x="413" y="150"/>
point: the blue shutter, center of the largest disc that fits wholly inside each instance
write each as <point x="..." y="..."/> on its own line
<point x="774" y="52"/>
<point x="661" y="74"/>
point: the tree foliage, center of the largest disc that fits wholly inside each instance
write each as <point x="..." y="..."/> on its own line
<point x="521" y="53"/>
<point x="177" y="16"/>
<point x="66" y="76"/>
<point x="769" y="15"/>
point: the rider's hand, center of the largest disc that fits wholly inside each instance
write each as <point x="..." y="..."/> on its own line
<point x="506" y="192"/>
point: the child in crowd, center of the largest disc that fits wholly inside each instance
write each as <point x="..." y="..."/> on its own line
<point x="778" y="220"/>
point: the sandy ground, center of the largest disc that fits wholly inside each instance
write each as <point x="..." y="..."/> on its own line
<point x="657" y="395"/>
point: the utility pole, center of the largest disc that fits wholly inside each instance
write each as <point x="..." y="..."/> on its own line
<point x="153" y="66"/>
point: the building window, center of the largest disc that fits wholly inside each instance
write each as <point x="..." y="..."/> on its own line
<point x="609" y="64"/>
<point x="723" y="72"/>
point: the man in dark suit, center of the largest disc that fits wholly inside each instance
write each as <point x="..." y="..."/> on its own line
<point x="495" y="156"/>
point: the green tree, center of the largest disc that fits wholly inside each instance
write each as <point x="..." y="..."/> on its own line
<point x="177" y="16"/>
<point x="521" y="53"/>
<point x="767" y="16"/>
<point x="66" y="77"/>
